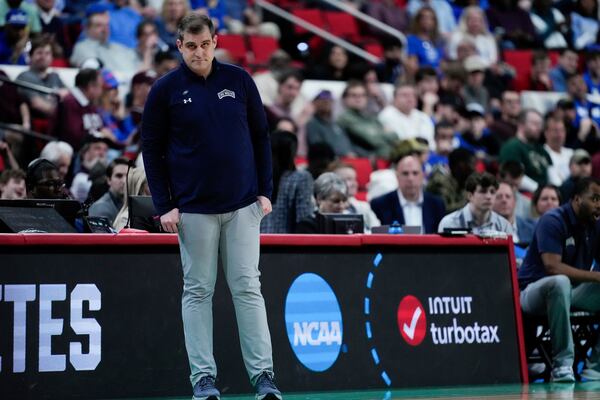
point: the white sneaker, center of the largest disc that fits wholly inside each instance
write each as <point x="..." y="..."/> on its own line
<point x="562" y="374"/>
<point x="590" y="374"/>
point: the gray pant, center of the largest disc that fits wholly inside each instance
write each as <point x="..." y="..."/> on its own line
<point x="554" y="296"/>
<point x="236" y="236"/>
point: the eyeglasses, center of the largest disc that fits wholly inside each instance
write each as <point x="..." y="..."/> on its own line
<point x="56" y="184"/>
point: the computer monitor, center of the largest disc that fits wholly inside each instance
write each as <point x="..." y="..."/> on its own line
<point x="340" y="224"/>
<point x="68" y="209"/>
<point x="142" y="214"/>
<point x="33" y="220"/>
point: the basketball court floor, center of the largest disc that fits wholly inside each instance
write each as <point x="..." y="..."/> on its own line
<point x="536" y="391"/>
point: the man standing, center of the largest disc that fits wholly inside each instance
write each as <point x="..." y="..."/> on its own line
<point x="477" y="215"/>
<point x="208" y="162"/>
<point x="557" y="274"/>
<point x="410" y="205"/>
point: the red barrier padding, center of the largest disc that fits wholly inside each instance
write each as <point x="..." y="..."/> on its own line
<point x="311" y="240"/>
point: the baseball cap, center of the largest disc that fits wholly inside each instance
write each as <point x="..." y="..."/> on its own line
<point x="17" y="17"/>
<point x="474" y="110"/>
<point x="580" y="156"/>
<point x="110" y="81"/>
<point x="324" y="95"/>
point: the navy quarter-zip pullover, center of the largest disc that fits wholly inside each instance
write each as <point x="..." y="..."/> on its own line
<point x="206" y="141"/>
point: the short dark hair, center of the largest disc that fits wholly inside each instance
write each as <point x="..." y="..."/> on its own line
<point x="36" y="170"/>
<point x="538" y="193"/>
<point x="459" y="155"/>
<point x="512" y="169"/>
<point x="425" y="72"/>
<point x="85" y="77"/>
<point x="114" y="163"/>
<point x="525" y="113"/>
<point x="351" y="85"/>
<point x="582" y="185"/>
<point x="194" y="23"/>
<point x="592" y="54"/>
<point x="139" y="29"/>
<point x="390" y="42"/>
<point x="539" y="55"/>
<point x="290" y="73"/>
<point x="7" y="175"/>
<point x="41" y="41"/>
<point x="164" y="56"/>
<point x="443" y="124"/>
<point x="484" y="179"/>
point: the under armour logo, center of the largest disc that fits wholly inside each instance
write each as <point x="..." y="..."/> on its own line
<point x="188" y="100"/>
<point x="226" y="93"/>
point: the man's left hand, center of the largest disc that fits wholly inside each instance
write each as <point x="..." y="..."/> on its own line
<point x="265" y="204"/>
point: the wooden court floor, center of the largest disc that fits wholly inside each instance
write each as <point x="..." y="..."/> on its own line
<point x="536" y="391"/>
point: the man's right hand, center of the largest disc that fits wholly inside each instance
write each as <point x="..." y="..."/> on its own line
<point x="170" y="220"/>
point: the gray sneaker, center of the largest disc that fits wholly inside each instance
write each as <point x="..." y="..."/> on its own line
<point x="205" y="389"/>
<point x="562" y="374"/>
<point x="590" y="374"/>
<point x="266" y="389"/>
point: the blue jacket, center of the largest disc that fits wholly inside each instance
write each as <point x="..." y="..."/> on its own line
<point x="206" y="142"/>
<point x="388" y="209"/>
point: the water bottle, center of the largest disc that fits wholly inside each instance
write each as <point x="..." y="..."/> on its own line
<point x="395" y="228"/>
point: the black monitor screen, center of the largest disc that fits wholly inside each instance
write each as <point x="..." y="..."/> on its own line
<point x="340" y="224"/>
<point x="142" y="213"/>
<point x="68" y="209"/>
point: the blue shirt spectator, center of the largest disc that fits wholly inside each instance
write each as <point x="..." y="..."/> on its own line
<point x="428" y="54"/>
<point x="443" y="12"/>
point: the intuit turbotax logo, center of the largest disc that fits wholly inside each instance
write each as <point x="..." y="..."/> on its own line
<point x="313" y="322"/>
<point x="412" y="322"/>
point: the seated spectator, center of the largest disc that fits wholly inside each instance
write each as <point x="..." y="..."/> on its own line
<point x="540" y="72"/>
<point x="376" y="98"/>
<point x="581" y="132"/>
<point x="504" y="205"/>
<point x="97" y="44"/>
<point x="526" y="149"/>
<point x="585" y="26"/>
<point x="14" y="38"/>
<point x="147" y="44"/>
<point x="215" y="9"/>
<point x="292" y="188"/>
<point x="13" y="108"/>
<point x="511" y="24"/>
<point x="427" y="86"/>
<point x="322" y="128"/>
<point x="556" y="275"/>
<point x="348" y="174"/>
<point x="388" y="12"/>
<point x="331" y="195"/>
<point x="52" y="24"/>
<point x="31" y="14"/>
<point x="43" y="181"/>
<point x="505" y="127"/>
<point x="450" y="183"/>
<point x="473" y="25"/>
<point x="410" y="204"/>
<point x="391" y="69"/>
<point x="137" y="185"/>
<point x="512" y="172"/>
<point x="172" y="12"/>
<point x="478" y="215"/>
<point x="42" y="105"/>
<point x="567" y="66"/>
<point x="333" y="67"/>
<point x="60" y="154"/>
<point x="585" y="108"/>
<point x="320" y="156"/>
<point x="550" y="25"/>
<point x="249" y="20"/>
<point x="404" y="119"/>
<point x="592" y="71"/>
<point x="77" y="116"/>
<point x="365" y="131"/>
<point x="580" y="166"/>
<point x="474" y="91"/>
<point x="443" y="12"/>
<point x="267" y="81"/>
<point x="92" y="155"/>
<point x="476" y="137"/>
<point x="123" y="22"/>
<point x="164" y="61"/>
<point x="12" y="185"/>
<point x="556" y="135"/>
<point x="425" y="46"/>
<point x="444" y="144"/>
<point x="544" y="199"/>
<point x="111" y="202"/>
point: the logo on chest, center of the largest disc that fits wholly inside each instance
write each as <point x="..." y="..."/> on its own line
<point x="226" y="93"/>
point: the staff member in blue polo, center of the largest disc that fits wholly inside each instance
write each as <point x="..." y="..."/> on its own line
<point x="557" y="274"/>
<point x="208" y="162"/>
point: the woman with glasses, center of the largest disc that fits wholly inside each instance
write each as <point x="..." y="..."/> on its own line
<point x="44" y="181"/>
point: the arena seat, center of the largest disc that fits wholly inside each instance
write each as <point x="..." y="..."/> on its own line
<point x="343" y="25"/>
<point x="314" y="16"/>
<point x="236" y="45"/>
<point x="363" y="169"/>
<point x="262" y="47"/>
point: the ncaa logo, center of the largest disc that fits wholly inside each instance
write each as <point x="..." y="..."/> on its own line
<point x="412" y="322"/>
<point x="313" y="321"/>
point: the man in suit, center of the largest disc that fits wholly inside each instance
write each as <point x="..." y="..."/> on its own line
<point x="410" y="205"/>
